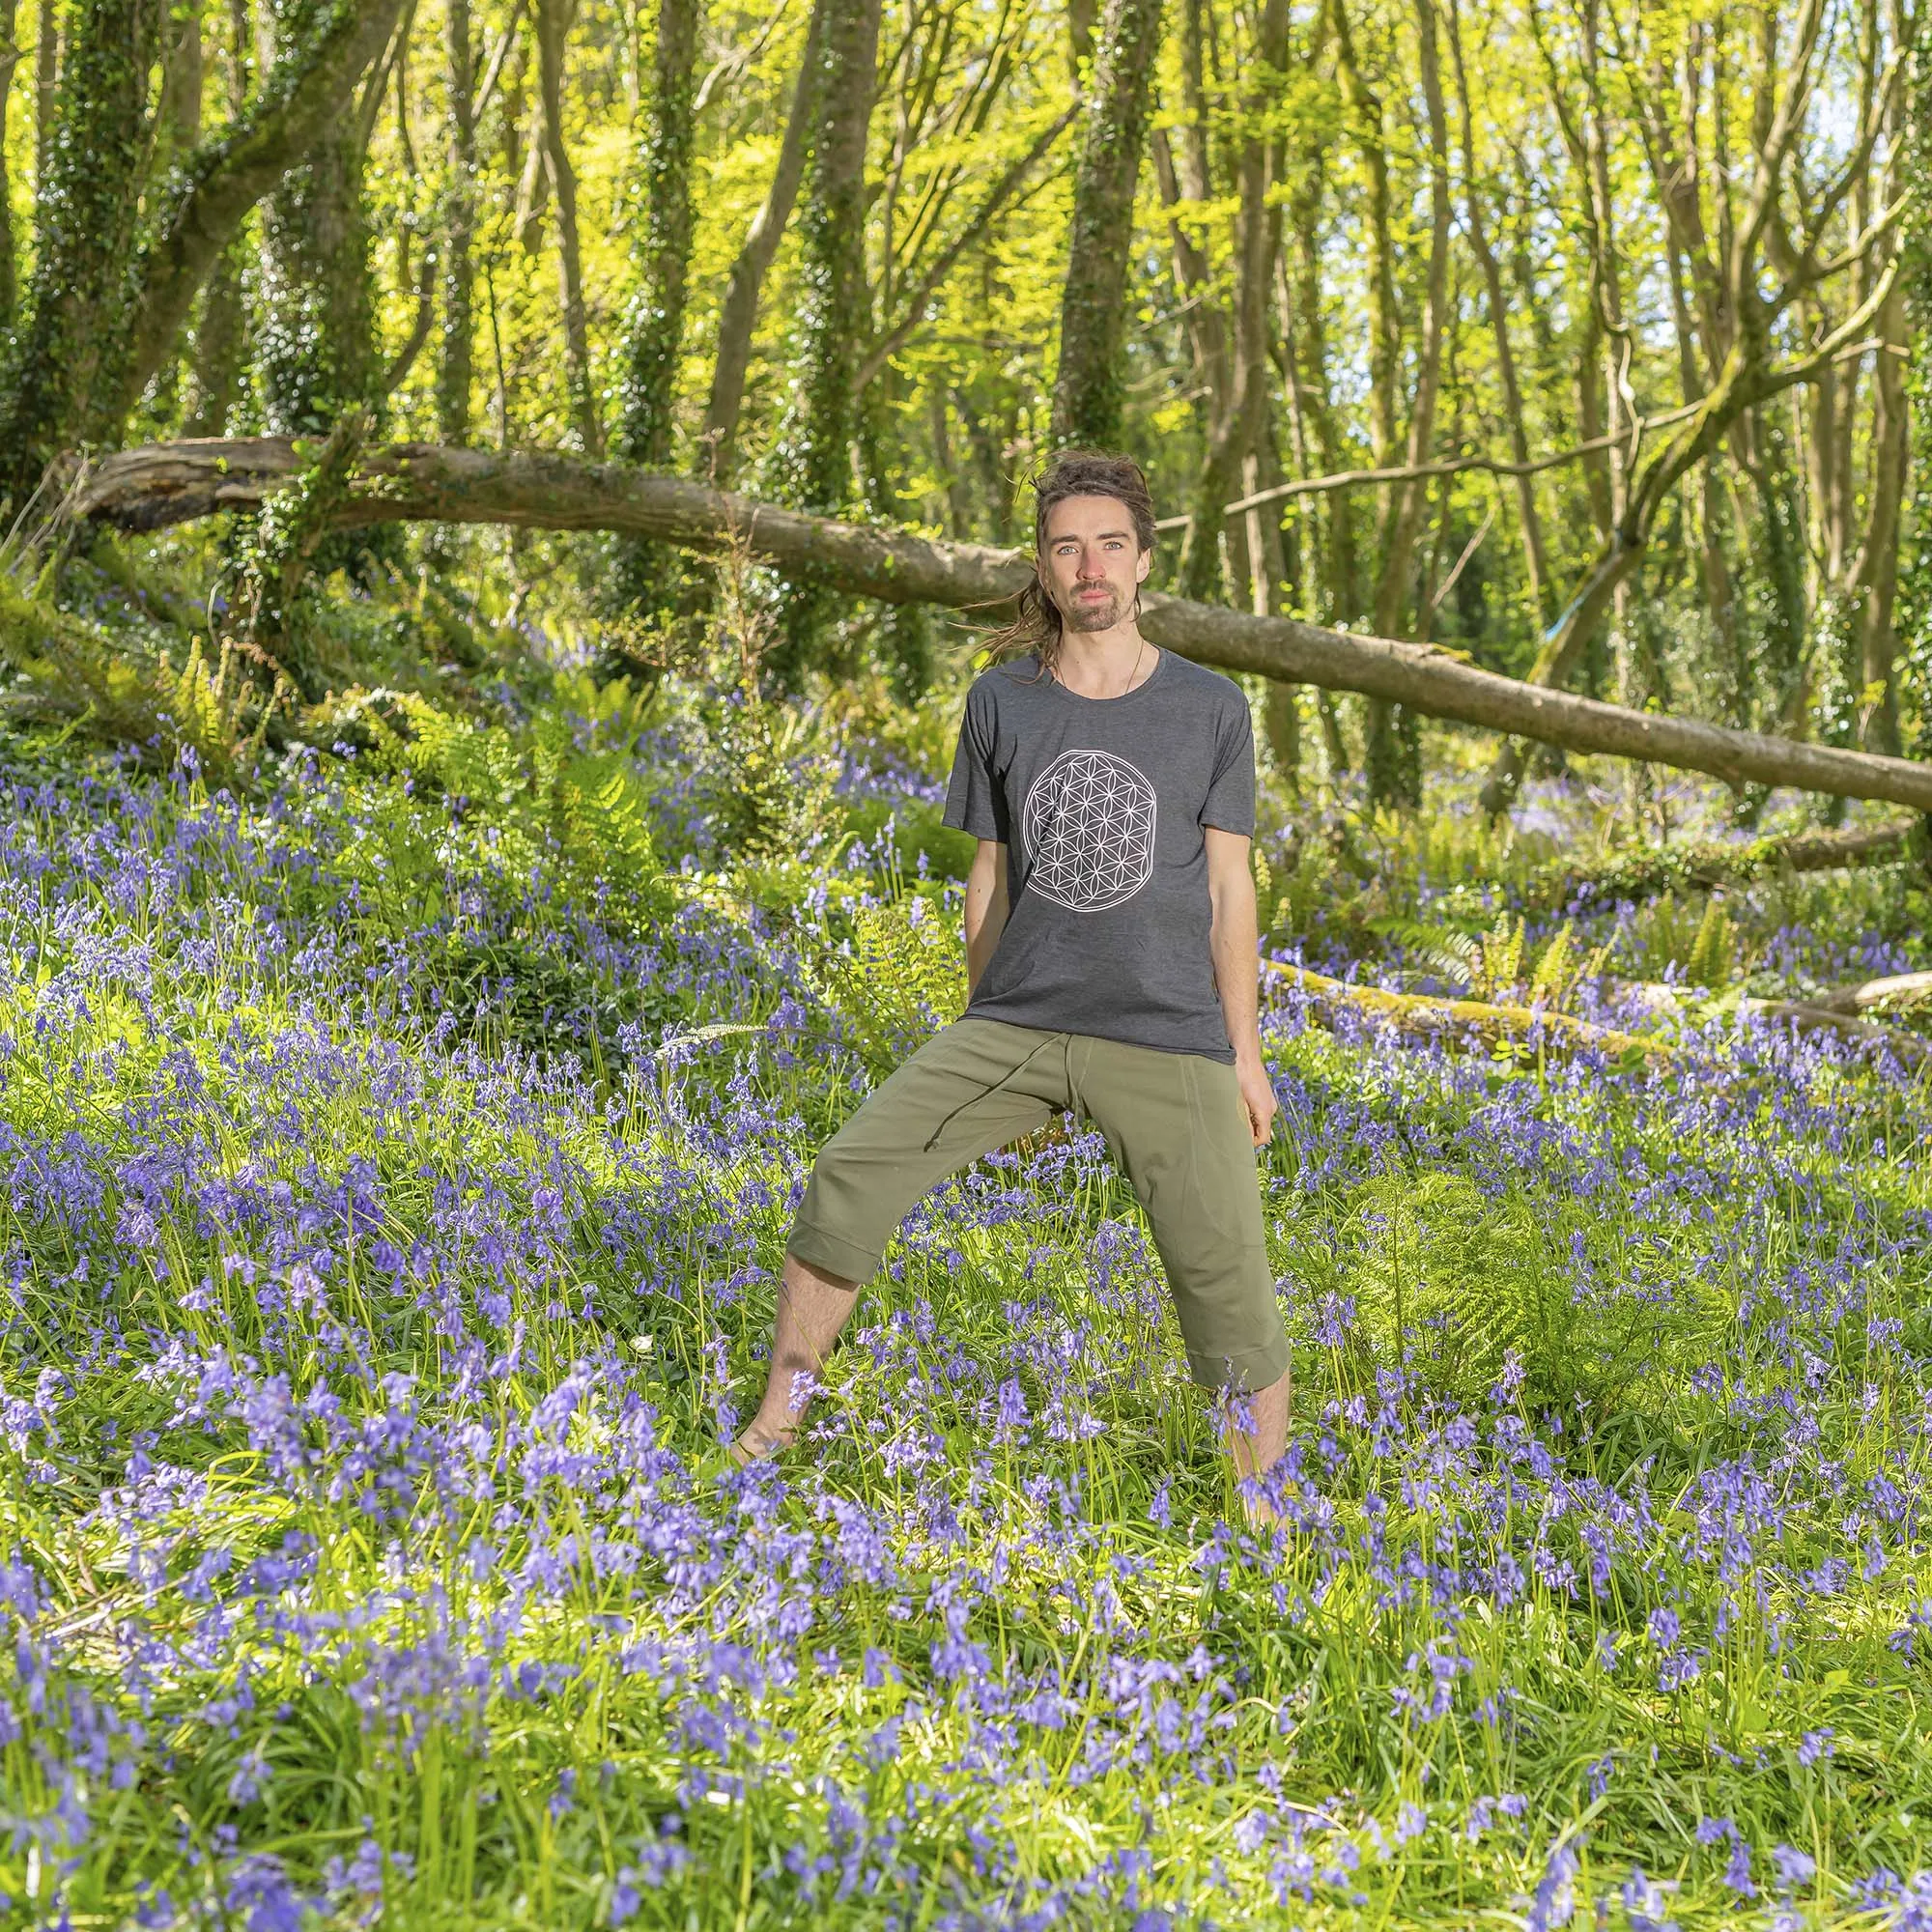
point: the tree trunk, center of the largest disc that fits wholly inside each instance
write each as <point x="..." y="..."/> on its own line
<point x="814" y="457"/>
<point x="178" y="113"/>
<point x="1242" y="405"/>
<point x="1876" y="575"/>
<point x="170" y="483"/>
<point x="654" y="323"/>
<point x="303" y="100"/>
<point x="1301" y="306"/>
<point x="220" y="347"/>
<point x="47" y="88"/>
<point x="1536" y="565"/>
<point x="1382" y="746"/>
<point x="738" y="317"/>
<point x="553" y="23"/>
<point x="10" y="54"/>
<point x="316" y="347"/>
<point x="1393" y="756"/>
<point x="654" y="329"/>
<point x="1087" y="389"/>
<point x="222" y="329"/>
<point x="834" y="307"/>
<point x="455" y="371"/>
<point x="1703" y="867"/>
<point x="85" y="218"/>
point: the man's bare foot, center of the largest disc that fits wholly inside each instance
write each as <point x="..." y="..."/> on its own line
<point x="756" y="1444"/>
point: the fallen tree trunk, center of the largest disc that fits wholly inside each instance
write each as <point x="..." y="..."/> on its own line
<point x="1705" y="867"/>
<point x="1811" y="1017"/>
<point x="1429" y="1018"/>
<point x="1834" y="1012"/>
<point x="1897" y="993"/>
<point x="1425" y="1016"/>
<point x="171" y="483"/>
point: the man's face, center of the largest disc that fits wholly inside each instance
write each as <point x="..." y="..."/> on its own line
<point x="1092" y="562"/>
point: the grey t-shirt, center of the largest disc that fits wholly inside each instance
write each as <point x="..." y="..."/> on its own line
<point x="1100" y="803"/>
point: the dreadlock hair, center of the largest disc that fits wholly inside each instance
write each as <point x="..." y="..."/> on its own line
<point x="1038" y="626"/>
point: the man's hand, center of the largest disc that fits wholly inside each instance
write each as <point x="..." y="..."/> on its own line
<point x="1257" y="1097"/>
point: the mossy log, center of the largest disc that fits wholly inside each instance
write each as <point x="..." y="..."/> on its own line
<point x="1427" y="1015"/>
<point x="1706" y="866"/>
<point x="170" y="483"/>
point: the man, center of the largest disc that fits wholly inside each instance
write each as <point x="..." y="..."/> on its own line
<point x="1111" y="961"/>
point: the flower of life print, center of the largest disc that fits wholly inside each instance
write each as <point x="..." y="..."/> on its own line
<point x="1089" y="826"/>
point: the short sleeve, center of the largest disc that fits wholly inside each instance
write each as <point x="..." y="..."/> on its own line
<point x="974" y="800"/>
<point x="1231" y="792"/>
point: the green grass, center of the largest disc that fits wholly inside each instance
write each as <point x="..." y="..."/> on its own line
<point x="382" y="1284"/>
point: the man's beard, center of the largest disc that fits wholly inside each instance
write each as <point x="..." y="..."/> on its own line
<point x="1081" y="615"/>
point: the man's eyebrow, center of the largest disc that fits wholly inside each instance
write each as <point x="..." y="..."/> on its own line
<point x="1073" y="536"/>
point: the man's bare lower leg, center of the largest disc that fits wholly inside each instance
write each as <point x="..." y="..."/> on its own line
<point x="813" y="1308"/>
<point x="1256" y="1450"/>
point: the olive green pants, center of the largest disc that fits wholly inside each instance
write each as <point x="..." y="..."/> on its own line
<point x="1174" y="1125"/>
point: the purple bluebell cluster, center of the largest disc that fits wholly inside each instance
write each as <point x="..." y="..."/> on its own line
<point x="390" y="1236"/>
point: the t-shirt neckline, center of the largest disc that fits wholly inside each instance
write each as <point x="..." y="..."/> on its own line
<point x="1120" y="697"/>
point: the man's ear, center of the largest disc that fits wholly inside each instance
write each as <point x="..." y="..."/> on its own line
<point x="1145" y="565"/>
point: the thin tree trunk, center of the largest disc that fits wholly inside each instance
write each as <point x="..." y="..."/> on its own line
<point x="738" y="315"/>
<point x="1713" y="568"/>
<point x="1394" y="752"/>
<point x="47" y="87"/>
<point x="220" y="347"/>
<point x="178" y="114"/>
<point x="958" y="510"/>
<point x="833" y="307"/>
<point x="1536" y="566"/>
<point x="1876" y="575"/>
<point x="1089" y="390"/>
<point x="455" y="372"/>
<point x="1409" y="500"/>
<point x="646" y="574"/>
<point x="553" y="23"/>
<point x="221" y="330"/>
<point x="10" y="54"/>
<point x="1240" y="410"/>
<point x="1303" y="302"/>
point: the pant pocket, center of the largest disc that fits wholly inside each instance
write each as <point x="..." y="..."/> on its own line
<point x="1221" y="1157"/>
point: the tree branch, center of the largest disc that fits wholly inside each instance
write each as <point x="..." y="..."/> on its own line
<point x="221" y="182"/>
<point x="1003" y="191"/>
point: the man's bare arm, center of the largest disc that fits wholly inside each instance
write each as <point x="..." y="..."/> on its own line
<point x="1234" y="940"/>
<point x="985" y="908"/>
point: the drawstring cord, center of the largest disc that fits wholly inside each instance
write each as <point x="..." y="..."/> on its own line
<point x="993" y="1087"/>
<point x="1076" y="1105"/>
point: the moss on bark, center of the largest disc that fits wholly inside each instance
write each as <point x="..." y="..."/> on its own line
<point x="1089" y="388"/>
